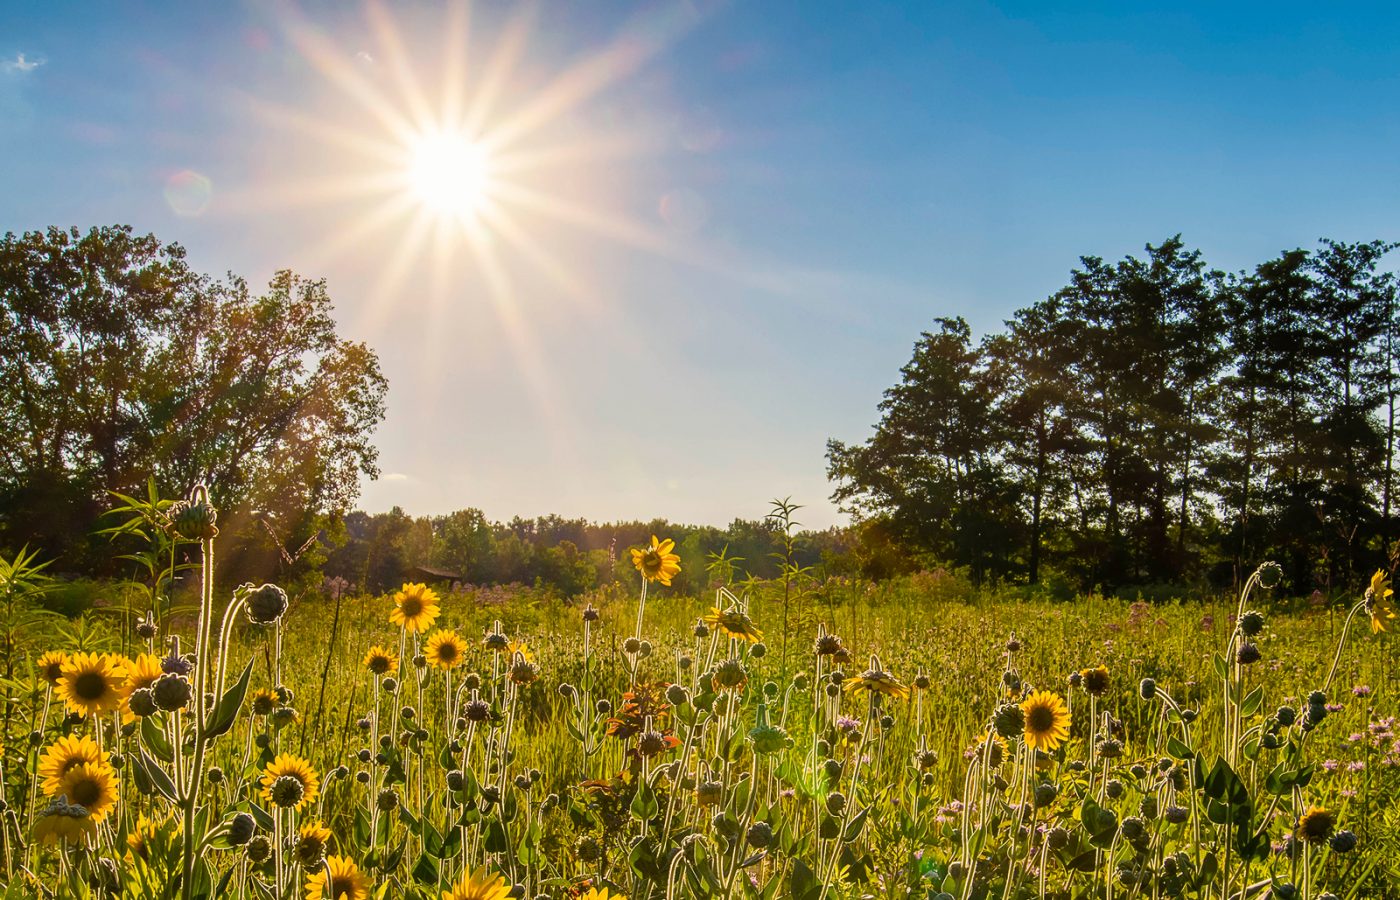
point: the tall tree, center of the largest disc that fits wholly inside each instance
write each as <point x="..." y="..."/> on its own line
<point x="117" y="361"/>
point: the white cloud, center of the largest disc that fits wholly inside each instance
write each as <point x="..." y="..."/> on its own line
<point x="21" y="64"/>
<point x="364" y="57"/>
<point x="394" y="476"/>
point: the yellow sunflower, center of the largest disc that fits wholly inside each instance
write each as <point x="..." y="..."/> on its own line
<point x="876" y="680"/>
<point x="141" y="672"/>
<point x="478" y="885"/>
<point x="1378" y="603"/>
<point x="1315" y="826"/>
<point x="657" y="562"/>
<point x="519" y="646"/>
<point x="65" y="753"/>
<point x="346" y="881"/>
<point x="263" y="701"/>
<point x="596" y="894"/>
<point x="62" y="822"/>
<point x="1047" y="720"/>
<point x="734" y="623"/>
<point x="1095" y="680"/>
<point x="313" y="839"/>
<point x="446" y="650"/>
<point x="381" y="661"/>
<point x="92" y="683"/>
<point x="50" y="666"/>
<point x="144" y="839"/>
<point x="415" y="608"/>
<point x="93" y="787"/>
<point x="287" y="765"/>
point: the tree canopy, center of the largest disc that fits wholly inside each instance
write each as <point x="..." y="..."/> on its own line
<point x="1155" y="420"/>
<point x="118" y="362"/>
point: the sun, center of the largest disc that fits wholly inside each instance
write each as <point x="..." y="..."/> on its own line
<point x="449" y="173"/>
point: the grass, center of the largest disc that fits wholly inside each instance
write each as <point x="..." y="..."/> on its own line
<point x="772" y="789"/>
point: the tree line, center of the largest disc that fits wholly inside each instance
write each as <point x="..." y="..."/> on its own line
<point x="1155" y="420"/>
<point x="566" y="556"/>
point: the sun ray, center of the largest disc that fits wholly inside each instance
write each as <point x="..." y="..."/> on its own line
<point x="340" y="70"/>
<point x="396" y="57"/>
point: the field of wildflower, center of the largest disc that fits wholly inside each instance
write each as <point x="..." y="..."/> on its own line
<point x="889" y="742"/>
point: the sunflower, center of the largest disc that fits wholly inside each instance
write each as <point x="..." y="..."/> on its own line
<point x="1315" y="826"/>
<point x="478" y="885"/>
<point x="1047" y="720"/>
<point x="734" y="623"/>
<point x="93" y="787"/>
<point x="92" y="682"/>
<point x="594" y="894"/>
<point x="519" y="646"/>
<point x="63" y="821"/>
<point x="286" y="765"/>
<point x="415" y="608"/>
<point x="50" y="666"/>
<point x="992" y="750"/>
<point x="446" y="650"/>
<point x="346" y="881"/>
<point x="1095" y="680"/>
<point x="381" y="661"/>
<point x="657" y="562"/>
<point x="263" y="702"/>
<point x="876" y="680"/>
<point x="1378" y="603"/>
<point x="313" y="839"/>
<point x="142" y="841"/>
<point x="141" y="672"/>
<point x="65" y="753"/>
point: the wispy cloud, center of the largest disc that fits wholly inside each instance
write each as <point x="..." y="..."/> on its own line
<point x="21" y="64"/>
<point x="394" y="476"/>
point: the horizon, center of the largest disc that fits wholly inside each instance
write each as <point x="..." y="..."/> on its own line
<point x="820" y="182"/>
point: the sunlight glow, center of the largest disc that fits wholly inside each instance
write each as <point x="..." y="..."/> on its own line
<point x="450" y="174"/>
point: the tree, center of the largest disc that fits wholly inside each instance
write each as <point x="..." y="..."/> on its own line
<point x="117" y="361"/>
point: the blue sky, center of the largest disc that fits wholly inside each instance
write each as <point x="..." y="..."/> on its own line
<point x="731" y="220"/>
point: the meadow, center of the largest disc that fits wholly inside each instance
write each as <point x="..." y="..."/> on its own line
<point x="913" y="737"/>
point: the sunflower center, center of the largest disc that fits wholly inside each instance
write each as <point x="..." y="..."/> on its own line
<point x="1040" y="719"/>
<point x="342" y="886"/>
<point x="85" y="792"/>
<point x="90" y="686"/>
<point x="411" y="607"/>
<point x="447" y="653"/>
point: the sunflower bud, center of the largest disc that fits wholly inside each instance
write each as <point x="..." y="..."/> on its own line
<point x="266" y="604"/>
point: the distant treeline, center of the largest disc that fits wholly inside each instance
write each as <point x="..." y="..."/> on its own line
<point x="567" y="556"/>
<point x="1153" y="421"/>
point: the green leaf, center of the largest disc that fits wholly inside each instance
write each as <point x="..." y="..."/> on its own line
<point x="158" y="777"/>
<point x="1252" y="701"/>
<point x="232" y="701"/>
<point x="154" y="739"/>
<point x="644" y="806"/>
<point x="425" y="871"/>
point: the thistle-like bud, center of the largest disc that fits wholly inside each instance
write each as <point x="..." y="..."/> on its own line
<point x="1252" y="623"/>
<point x="171" y="692"/>
<point x="1009" y="720"/>
<point x="193" y="519"/>
<point x="141" y="703"/>
<point x="240" y="830"/>
<point x="266" y="604"/>
<point x="760" y="835"/>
